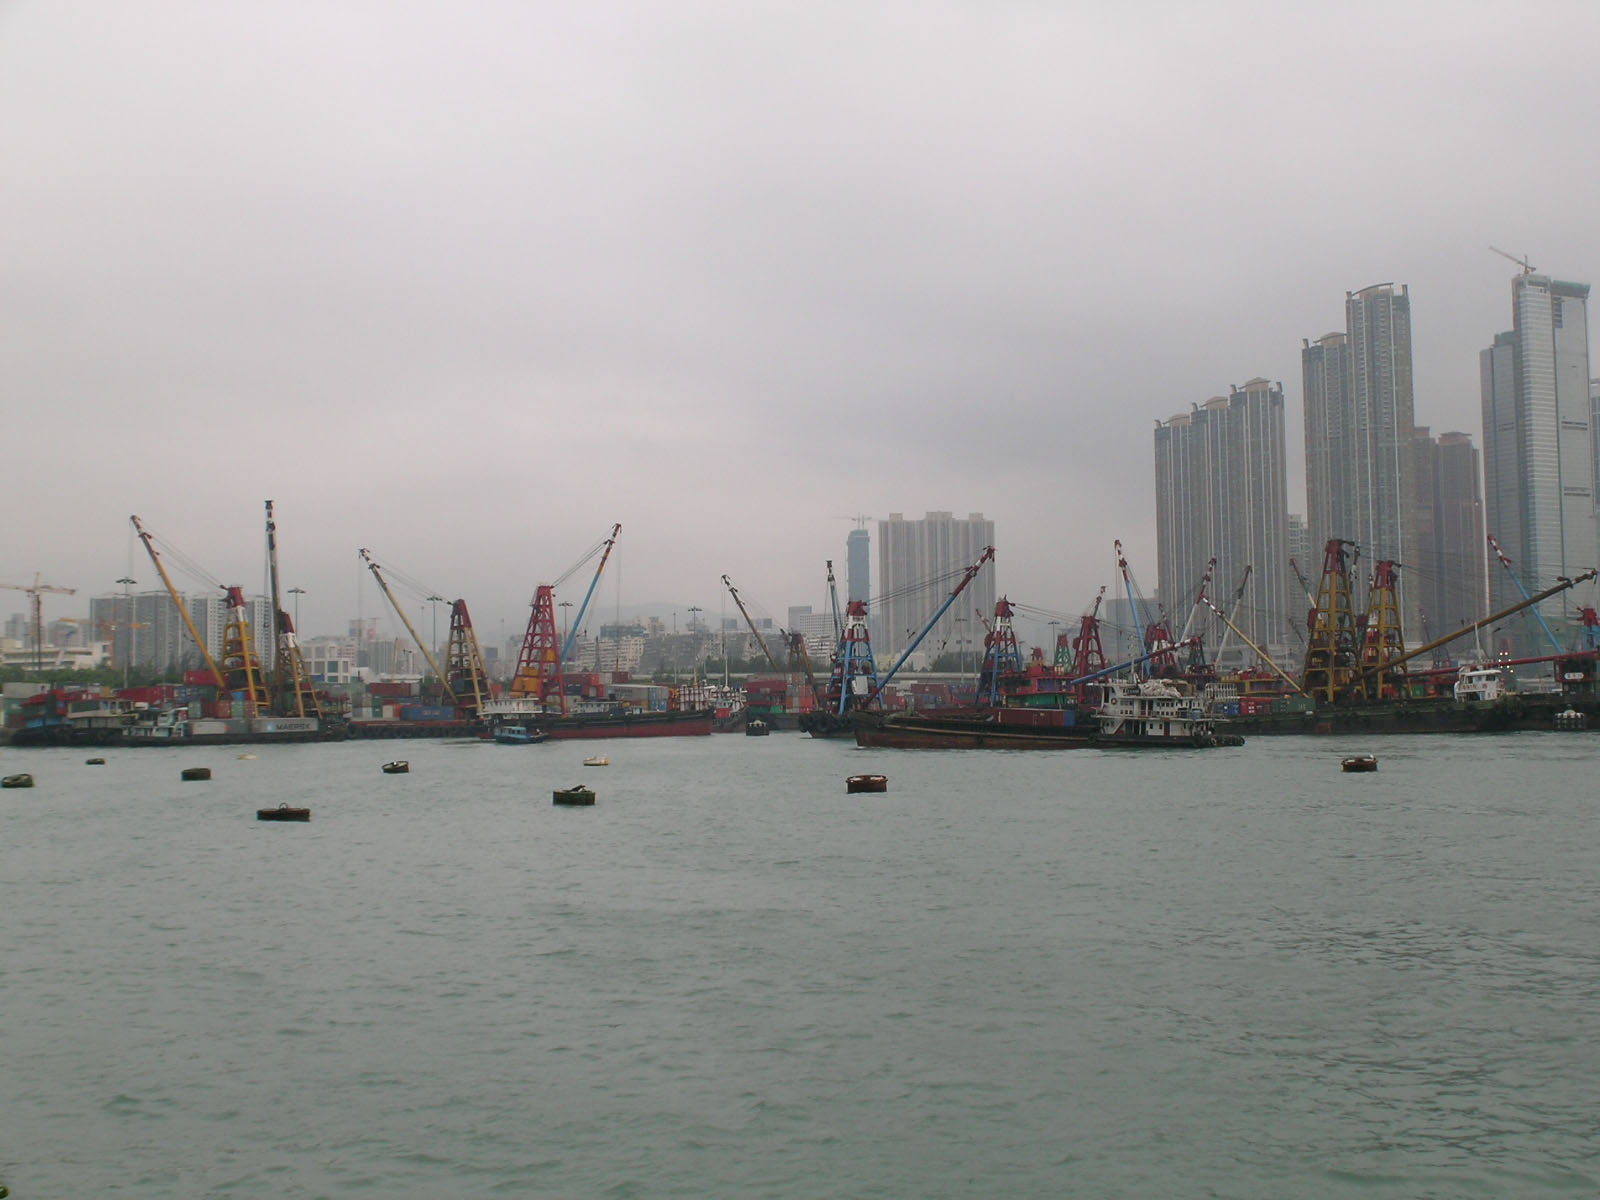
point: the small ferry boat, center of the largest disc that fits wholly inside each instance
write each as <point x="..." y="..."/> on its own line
<point x="866" y="783"/>
<point x="756" y="727"/>
<point x="1156" y="712"/>
<point x="597" y="760"/>
<point x="579" y="796"/>
<point x="518" y="735"/>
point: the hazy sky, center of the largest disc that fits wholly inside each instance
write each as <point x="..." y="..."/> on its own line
<point x="466" y="283"/>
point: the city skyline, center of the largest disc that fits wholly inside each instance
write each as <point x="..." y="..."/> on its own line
<point x="721" y="273"/>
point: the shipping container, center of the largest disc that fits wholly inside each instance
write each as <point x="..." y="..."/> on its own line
<point x="426" y="712"/>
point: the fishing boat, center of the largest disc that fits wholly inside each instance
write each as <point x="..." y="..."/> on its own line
<point x="518" y="735"/>
<point x="597" y="760"/>
<point x="17" y="781"/>
<point x="579" y="796"/>
<point x="398" y="767"/>
<point x="1156" y="713"/>
<point x="866" y="783"/>
<point x="283" y="813"/>
<point x="1359" y="762"/>
<point x="195" y="774"/>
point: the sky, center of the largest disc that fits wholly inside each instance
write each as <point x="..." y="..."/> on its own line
<point x="468" y="283"/>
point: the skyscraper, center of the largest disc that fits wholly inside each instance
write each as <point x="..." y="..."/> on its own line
<point x="1325" y="379"/>
<point x="1360" y="464"/>
<point x="858" y="566"/>
<point x="1378" y="325"/>
<point x="1222" y="492"/>
<point x="1540" y="461"/>
<point x="1460" y="597"/>
<point x="919" y="562"/>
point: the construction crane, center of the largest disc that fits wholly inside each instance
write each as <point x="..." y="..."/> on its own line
<point x="149" y="541"/>
<point x="35" y="592"/>
<point x="1527" y="268"/>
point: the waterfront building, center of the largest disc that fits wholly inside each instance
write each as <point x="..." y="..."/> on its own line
<point x="1222" y="493"/>
<point x="919" y="562"/>
<point x="1541" y="466"/>
<point x="146" y="630"/>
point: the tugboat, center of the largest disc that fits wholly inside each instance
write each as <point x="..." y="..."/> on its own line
<point x="518" y="735"/>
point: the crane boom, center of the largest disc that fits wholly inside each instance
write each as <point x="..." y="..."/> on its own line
<point x="1537" y="616"/>
<point x="967" y="577"/>
<point x="1260" y="653"/>
<point x="577" y="624"/>
<point x="1527" y="268"/>
<point x="150" y="548"/>
<point x="760" y="641"/>
<point x="1428" y="647"/>
<point x="404" y="620"/>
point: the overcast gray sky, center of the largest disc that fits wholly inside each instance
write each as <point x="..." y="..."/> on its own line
<point x="466" y="283"/>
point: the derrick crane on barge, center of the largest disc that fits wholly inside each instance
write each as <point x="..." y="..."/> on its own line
<point x="464" y="682"/>
<point x="1333" y="649"/>
<point x="853" y="676"/>
<point x="538" y="676"/>
<point x="1001" y="655"/>
<point x="1382" y="675"/>
<point x="465" y="675"/>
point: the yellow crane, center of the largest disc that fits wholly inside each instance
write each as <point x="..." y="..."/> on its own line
<point x="35" y="591"/>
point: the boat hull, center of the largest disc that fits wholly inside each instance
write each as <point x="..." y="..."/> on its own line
<point x="964" y="733"/>
<point x="1508" y="714"/>
<point x="628" y="725"/>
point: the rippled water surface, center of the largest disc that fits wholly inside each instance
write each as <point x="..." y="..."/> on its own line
<point x="1234" y="973"/>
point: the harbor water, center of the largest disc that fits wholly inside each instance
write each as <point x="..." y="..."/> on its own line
<point x="1232" y="973"/>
